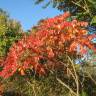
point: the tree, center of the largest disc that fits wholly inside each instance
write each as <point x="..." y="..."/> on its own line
<point x="10" y="31"/>
<point x="81" y="9"/>
<point x="55" y="40"/>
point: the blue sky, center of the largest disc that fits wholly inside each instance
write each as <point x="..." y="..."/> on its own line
<point x="27" y="12"/>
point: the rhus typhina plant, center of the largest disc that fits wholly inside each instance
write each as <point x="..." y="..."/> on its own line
<point x="53" y="39"/>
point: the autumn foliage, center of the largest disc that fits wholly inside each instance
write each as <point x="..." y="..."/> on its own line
<point x="54" y="38"/>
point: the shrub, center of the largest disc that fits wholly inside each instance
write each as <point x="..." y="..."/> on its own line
<point x="54" y="40"/>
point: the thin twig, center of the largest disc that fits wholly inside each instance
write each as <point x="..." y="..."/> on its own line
<point x="91" y="78"/>
<point x="87" y="8"/>
<point x="77" y="81"/>
<point x="78" y="5"/>
<point x="65" y="85"/>
<point x="32" y="87"/>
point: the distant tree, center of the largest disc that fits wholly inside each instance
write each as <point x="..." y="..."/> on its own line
<point x="10" y="31"/>
<point x="82" y="9"/>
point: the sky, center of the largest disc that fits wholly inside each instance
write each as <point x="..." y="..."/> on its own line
<point x="27" y="12"/>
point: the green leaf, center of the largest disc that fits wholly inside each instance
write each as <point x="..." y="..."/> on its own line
<point x="92" y="1"/>
<point x="83" y="93"/>
<point x="93" y="21"/>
